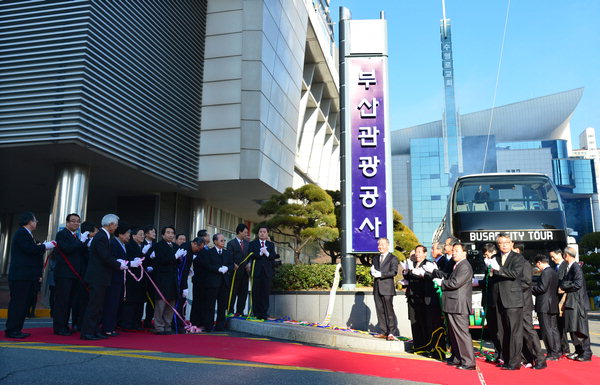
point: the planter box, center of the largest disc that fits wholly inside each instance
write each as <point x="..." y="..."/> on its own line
<point x="354" y="309"/>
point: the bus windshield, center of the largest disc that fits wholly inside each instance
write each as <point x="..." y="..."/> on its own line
<point x="519" y="193"/>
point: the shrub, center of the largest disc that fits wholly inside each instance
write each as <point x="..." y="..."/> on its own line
<point x="316" y="276"/>
<point x="591" y="259"/>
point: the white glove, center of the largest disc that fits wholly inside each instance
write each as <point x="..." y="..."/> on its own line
<point x="264" y="251"/>
<point x="184" y="293"/>
<point x="429" y="267"/>
<point x="123" y="264"/>
<point x="372" y="269"/>
<point x="419" y="272"/>
<point x="403" y="264"/>
<point x="487" y="261"/>
<point x="225" y="269"/>
<point x="152" y="255"/>
<point x="403" y="282"/>
<point x="149" y="269"/>
<point x="135" y="263"/>
<point x="474" y="282"/>
<point x="84" y="237"/>
<point x="146" y="248"/>
<point x="438" y="281"/>
<point x="494" y="264"/>
<point x="50" y="245"/>
<point x="180" y="253"/>
<point x="410" y="265"/>
<point x="376" y="273"/>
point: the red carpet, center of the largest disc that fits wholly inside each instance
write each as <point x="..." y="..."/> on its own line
<point x="280" y="353"/>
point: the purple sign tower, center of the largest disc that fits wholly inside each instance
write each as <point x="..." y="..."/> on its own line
<point x="366" y="162"/>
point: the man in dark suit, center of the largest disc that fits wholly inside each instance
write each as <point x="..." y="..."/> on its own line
<point x="167" y="259"/>
<point x="101" y="266"/>
<point x="506" y="293"/>
<point x="217" y="267"/>
<point x="198" y="298"/>
<point x="263" y="255"/>
<point x="576" y="307"/>
<point x="67" y="272"/>
<point x="149" y="255"/>
<point x="384" y="269"/>
<point x="560" y="265"/>
<point x="238" y="247"/>
<point x="456" y="303"/>
<point x="546" y="306"/>
<point x="82" y="293"/>
<point x="24" y="273"/>
<point x="423" y="305"/>
<point x="532" y="350"/>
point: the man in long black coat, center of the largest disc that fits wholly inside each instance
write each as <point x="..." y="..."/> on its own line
<point x="576" y="307"/>
<point x="24" y="272"/>
<point x="546" y="306"/>
<point x="165" y="276"/>
<point x="101" y="266"/>
<point x="217" y="268"/>
<point x="263" y="255"/>
<point x="68" y="273"/>
<point x="238" y="247"/>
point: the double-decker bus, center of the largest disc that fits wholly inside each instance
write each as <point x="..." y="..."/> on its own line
<point x="527" y="206"/>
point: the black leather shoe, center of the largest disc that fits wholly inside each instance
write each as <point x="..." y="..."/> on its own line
<point x="463" y="367"/>
<point x="572" y="356"/>
<point x="89" y="337"/>
<point x="100" y="336"/>
<point x="552" y="358"/>
<point x="17" y="335"/>
<point x="583" y="359"/>
<point x="65" y="333"/>
<point x="507" y="367"/>
<point x="452" y="363"/>
<point x="541" y="365"/>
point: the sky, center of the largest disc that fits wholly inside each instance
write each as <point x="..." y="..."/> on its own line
<point x="550" y="46"/>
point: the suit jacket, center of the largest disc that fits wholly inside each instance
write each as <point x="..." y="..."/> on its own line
<point x="211" y="263"/>
<point x="26" y="257"/>
<point x="199" y="273"/>
<point x="562" y="270"/>
<point x="420" y="290"/>
<point x="526" y="282"/>
<point x="545" y="290"/>
<point x="385" y="285"/>
<point x="505" y="284"/>
<point x="263" y="264"/>
<point x="457" y="291"/>
<point x="236" y="251"/>
<point x="117" y="252"/>
<point x="165" y="269"/>
<point x="72" y="248"/>
<point x="577" y="304"/>
<point x="101" y="264"/>
<point x="135" y="290"/>
<point x="445" y="267"/>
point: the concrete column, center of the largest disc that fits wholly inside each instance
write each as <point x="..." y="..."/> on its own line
<point x="70" y="196"/>
<point x="198" y="223"/>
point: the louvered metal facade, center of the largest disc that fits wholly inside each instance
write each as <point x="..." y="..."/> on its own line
<point x="123" y="78"/>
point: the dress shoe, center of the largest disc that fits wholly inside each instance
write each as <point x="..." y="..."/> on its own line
<point x="464" y="367"/>
<point x="101" y="336"/>
<point x="65" y="333"/>
<point x="552" y="358"/>
<point x="451" y="362"/>
<point x="89" y="337"/>
<point x="540" y="365"/>
<point x="380" y="336"/>
<point x="17" y="335"/>
<point x="583" y="359"/>
<point x="391" y="337"/>
<point x="572" y="356"/>
<point x="508" y="367"/>
<point x="111" y="334"/>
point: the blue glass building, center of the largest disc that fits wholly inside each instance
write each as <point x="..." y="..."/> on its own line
<point x="528" y="136"/>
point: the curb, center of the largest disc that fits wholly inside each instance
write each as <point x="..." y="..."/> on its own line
<point x="313" y="335"/>
<point x="39" y="313"/>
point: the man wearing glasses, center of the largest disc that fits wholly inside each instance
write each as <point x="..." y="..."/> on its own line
<point x="68" y="272"/>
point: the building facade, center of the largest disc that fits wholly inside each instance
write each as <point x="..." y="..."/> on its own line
<point x="186" y="113"/>
<point x="528" y="136"/>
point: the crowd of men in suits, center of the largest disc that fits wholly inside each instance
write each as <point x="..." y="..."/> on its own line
<point x="107" y="277"/>
<point x="508" y="289"/>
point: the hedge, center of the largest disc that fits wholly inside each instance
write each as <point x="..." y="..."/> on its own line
<point x="314" y="277"/>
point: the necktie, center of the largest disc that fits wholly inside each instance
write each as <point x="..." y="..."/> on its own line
<point x="219" y="251"/>
<point x="242" y="245"/>
<point x="504" y="256"/>
<point x="262" y="243"/>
